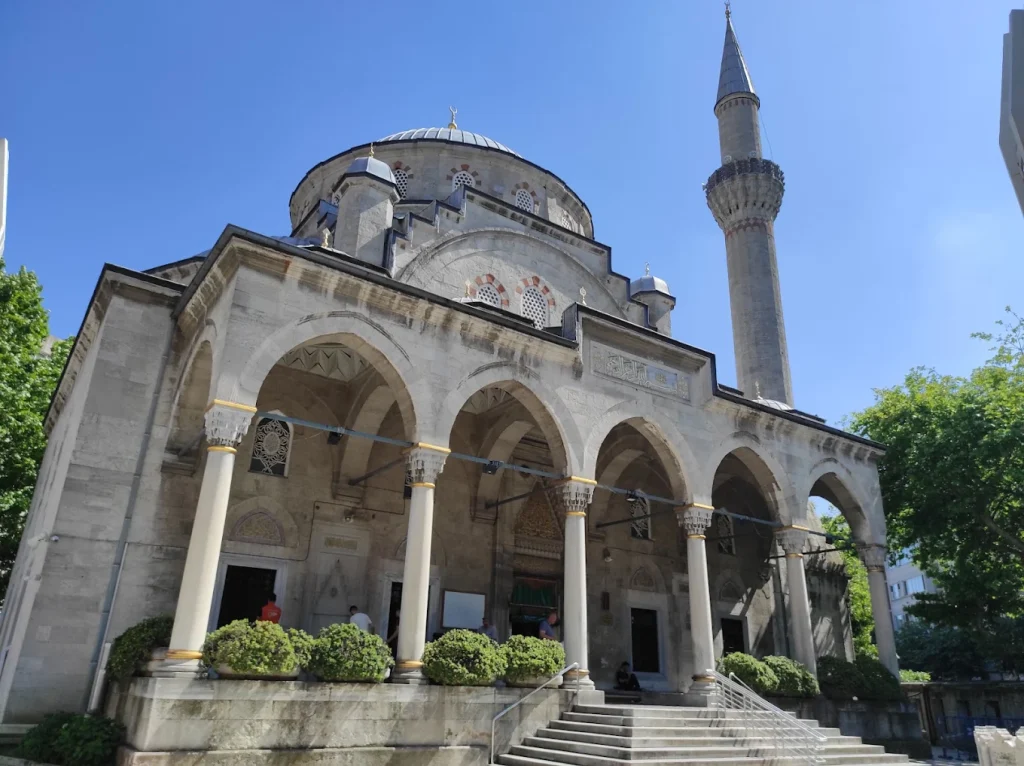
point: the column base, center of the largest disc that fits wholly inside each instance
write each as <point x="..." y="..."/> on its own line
<point x="409" y="672"/>
<point x="700" y="691"/>
<point x="170" y="663"/>
<point x="584" y="676"/>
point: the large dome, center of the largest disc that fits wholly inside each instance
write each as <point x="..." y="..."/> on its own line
<point x="450" y="135"/>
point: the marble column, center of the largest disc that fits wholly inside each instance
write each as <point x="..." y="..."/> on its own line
<point x="576" y="496"/>
<point x="696" y="519"/>
<point x="873" y="557"/>
<point x="793" y="540"/>
<point x="226" y="424"/>
<point x="424" y="462"/>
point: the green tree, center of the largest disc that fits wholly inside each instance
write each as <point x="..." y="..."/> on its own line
<point x="862" y="622"/>
<point x="949" y="653"/>
<point x="952" y="479"/>
<point x="27" y="381"/>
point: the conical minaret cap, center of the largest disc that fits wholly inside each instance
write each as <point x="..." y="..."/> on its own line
<point x="735" y="77"/>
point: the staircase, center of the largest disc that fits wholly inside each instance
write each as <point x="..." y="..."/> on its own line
<point x="604" y="735"/>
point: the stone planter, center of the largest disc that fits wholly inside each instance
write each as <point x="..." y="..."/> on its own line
<point x="534" y="682"/>
<point x="227" y="672"/>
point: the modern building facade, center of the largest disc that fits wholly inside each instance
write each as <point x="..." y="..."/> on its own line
<point x="906" y="582"/>
<point x="1011" y="106"/>
<point x="436" y="398"/>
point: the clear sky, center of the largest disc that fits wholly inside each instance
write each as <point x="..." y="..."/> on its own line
<point x="139" y="130"/>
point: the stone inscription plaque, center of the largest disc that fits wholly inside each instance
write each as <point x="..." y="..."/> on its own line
<point x="612" y="363"/>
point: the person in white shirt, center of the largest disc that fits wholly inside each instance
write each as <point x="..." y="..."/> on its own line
<point x="360" y="620"/>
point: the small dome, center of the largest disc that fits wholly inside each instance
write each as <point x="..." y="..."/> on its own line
<point x="648" y="284"/>
<point x="372" y="166"/>
<point x="449" y="135"/>
<point x="774" y="404"/>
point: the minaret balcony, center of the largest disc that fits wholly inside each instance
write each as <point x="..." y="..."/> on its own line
<point x="745" y="189"/>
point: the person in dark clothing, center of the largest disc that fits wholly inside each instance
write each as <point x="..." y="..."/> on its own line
<point x="626" y="681"/>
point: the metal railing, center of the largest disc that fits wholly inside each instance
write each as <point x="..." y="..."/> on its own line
<point x="791" y="737"/>
<point x="560" y="674"/>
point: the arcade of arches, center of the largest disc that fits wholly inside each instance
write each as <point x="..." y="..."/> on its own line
<point x="423" y="541"/>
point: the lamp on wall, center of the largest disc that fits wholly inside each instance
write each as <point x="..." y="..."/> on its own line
<point x="634" y="496"/>
<point x="607" y="555"/>
<point x="492" y="467"/>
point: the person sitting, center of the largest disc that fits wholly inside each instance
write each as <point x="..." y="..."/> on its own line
<point x="626" y="681"/>
<point x="546" y="631"/>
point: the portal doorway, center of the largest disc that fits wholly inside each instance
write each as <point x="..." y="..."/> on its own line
<point x="644" y="634"/>
<point x="246" y="590"/>
<point x="732" y="636"/>
<point x="533" y="598"/>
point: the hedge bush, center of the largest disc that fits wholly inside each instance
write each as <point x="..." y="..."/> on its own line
<point x="865" y="679"/>
<point x="528" y="657"/>
<point x="134" y="648"/>
<point x="343" y="652"/>
<point x="795" y="680"/>
<point x="261" y="649"/>
<point x="749" y="670"/>
<point x="915" y="676"/>
<point x="302" y="644"/>
<point x="463" y="658"/>
<point x="69" y="739"/>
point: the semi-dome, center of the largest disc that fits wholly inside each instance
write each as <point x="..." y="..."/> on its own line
<point x="450" y="135"/>
<point x="371" y="166"/>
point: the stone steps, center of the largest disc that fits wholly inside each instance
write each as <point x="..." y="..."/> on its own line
<point x="607" y="735"/>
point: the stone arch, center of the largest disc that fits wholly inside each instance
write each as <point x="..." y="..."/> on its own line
<point x="369" y="408"/>
<point x="728" y="583"/>
<point x="359" y="333"/>
<point x="498" y="444"/>
<point x="664" y="438"/>
<point x="832" y="481"/>
<point x="770" y="478"/>
<point x="191" y="399"/>
<point x="649" y="578"/>
<point x="545" y="406"/>
<point x="259" y="514"/>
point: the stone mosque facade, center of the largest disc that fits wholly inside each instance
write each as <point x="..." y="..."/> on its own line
<point x="436" y="399"/>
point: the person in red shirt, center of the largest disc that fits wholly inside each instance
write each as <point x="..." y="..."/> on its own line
<point x="271" y="612"/>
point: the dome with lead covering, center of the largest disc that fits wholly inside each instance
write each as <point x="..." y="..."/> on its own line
<point x="449" y="135"/>
<point x="373" y="167"/>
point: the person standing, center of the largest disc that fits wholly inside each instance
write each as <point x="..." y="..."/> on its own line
<point x="271" y="612"/>
<point x="360" y="620"/>
<point x="546" y="630"/>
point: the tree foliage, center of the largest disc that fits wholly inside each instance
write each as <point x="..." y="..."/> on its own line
<point x="954" y="653"/>
<point x="862" y="621"/>
<point x="27" y="381"/>
<point x="952" y="479"/>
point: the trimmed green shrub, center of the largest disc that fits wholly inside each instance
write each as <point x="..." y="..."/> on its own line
<point x="865" y="679"/>
<point x="38" y="742"/>
<point x="527" y="657"/>
<point x="915" y="676"/>
<point x="749" y="670"/>
<point x="343" y="652"/>
<point x="463" y="658"/>
<point x="262" y="649"/>
<point x="795" y="680"/>
<point x="70" y="739"/>
<point x="134" y="648"/>
<point x="302" y="643"/>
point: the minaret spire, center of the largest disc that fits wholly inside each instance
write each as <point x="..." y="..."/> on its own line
<point x="745" y="195"/>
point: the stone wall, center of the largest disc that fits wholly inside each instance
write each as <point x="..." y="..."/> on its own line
<point x="182" y="721"/>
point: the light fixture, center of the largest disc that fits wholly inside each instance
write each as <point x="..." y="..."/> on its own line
<point x="607" y="554"/>
<point x="333" y="437"/>
<point x="492" y="467"/>
<point x="634" y="496"/>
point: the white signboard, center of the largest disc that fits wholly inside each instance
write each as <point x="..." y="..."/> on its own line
<point x="463" y="610"/>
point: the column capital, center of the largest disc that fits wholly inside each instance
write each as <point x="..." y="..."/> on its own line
<point x="576" y="494"/>
<point x="873" y="556"/>
<point x="424" y="463"/>
<point x="696" y="518"/>
<point x="792" y="539"/>
<point x="226" y="423"/>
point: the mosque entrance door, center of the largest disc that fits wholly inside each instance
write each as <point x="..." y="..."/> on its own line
<point x="532" y="599"/>
<point x="246" y="590"/>
<point x="644" y="630"/>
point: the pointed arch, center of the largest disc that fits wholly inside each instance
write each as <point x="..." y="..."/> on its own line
<point x="769" y="477"/>
<point x="830" y="480"/>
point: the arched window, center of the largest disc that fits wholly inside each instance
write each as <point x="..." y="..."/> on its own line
<point x="460" y="179"/>
<point x="488" y="293"/>
<point x="534" y="307"/>
<point x="401" y="182"/>
<point x="524" y="200"/>
<point x="271" y="446"/>
<point x="640" y="526"/>
<point x="725" y="533"/>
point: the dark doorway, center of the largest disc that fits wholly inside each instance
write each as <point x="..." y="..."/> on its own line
<point x="732" y="636"/>
<point x="532" y="599"/>
<point x="645" y="640"/>
<point x="393" y="617"/>
<point x="246" y="590"/>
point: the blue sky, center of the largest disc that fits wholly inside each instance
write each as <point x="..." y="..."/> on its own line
<point x="139" y="130"/>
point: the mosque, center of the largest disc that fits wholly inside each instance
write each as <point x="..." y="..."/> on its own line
<point x="436" y="398"/>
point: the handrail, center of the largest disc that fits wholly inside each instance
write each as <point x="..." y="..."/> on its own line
<point x="791" y="736"/>
<point x="560" y="674"/>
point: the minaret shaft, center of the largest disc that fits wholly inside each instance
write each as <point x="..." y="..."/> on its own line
<point x="745" y="195"/>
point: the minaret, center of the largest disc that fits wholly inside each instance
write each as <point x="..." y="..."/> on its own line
<point x="744" y="195"/>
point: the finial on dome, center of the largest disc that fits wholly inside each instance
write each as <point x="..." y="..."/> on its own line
<point x="371" y="148"/>
<point x="452" y="125"/>
<point x="583" y="296"/>
<point x="728" y="9"/>
<point x="757" y="389"/>
<point x="647" y="269"/>
<point x="469" y="288"/>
